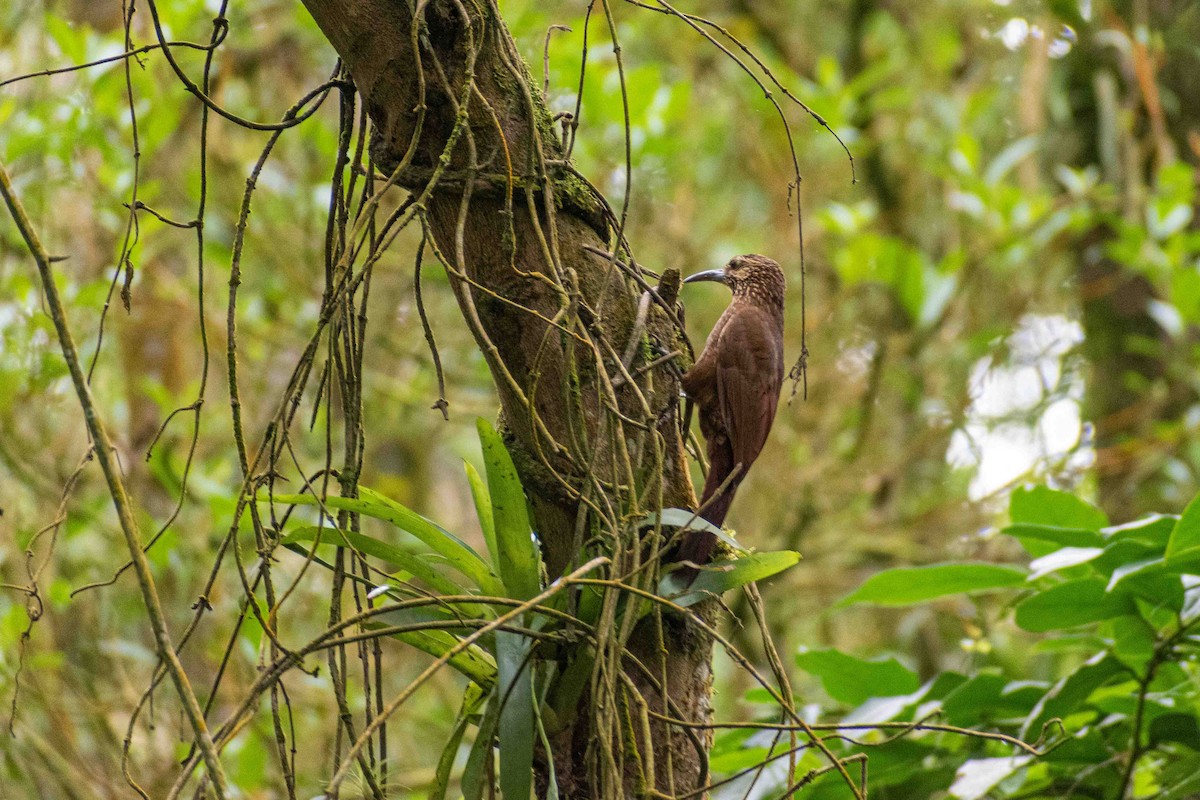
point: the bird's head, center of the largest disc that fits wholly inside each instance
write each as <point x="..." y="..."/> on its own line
<point x="752" y="277"/>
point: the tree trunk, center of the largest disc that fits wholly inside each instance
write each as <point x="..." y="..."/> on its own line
<point x="1121" y="122"/>
<point x="556" y="323"/>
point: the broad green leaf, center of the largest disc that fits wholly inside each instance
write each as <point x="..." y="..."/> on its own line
<point x="903" y="586"/>
<point x="1124" y="551"/>
<point x="1185" y="537"/>
<point x="71" y="39"/>
<point x="1041" y="505"/>
<point x="1133" y="640"/>
<point x="973" y="701"/>
<point x="1175" y="727"/>
<point x="1071" y="691"/>
<point x="1159" y="597"/>
<point x="989" y="697"/>
<point x="721" y="576"/>
<point x="1063" y="558"/>
<point x="1183" y="788"/>
<point x="885" y="709"/>
<point x="517" y="550"/>
<point x="416" y="564"/>
<point x="1069" y="604"/>
<point x="1154" y="530"/>
<point x="1066" y="537"/>
<point x="483" y="510"/>
<point x="897" y="763"/>
<point x="1145" y="567"/>
<point x="517" y="724"/>
<point x="736" y="760"/>
<point x="852" y="680"/>
<point x="459" y="553"/>
<point x="375" y="505"/>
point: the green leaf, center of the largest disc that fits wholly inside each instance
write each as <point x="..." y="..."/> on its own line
<point x="1066" y="537"/>
<point x="721" y="576"/>
<point x="1143" y="568"/>
<point x="441" y="778"/>
<point x="475" y="773"/>
<point x="375" y="505"/>
<point x="905" y="586"/>
<point x="1124" y="551"/>
<point x="567" y="689"/>
<point x="1185" y="536"/>
<point x="681" y="518"/>
<point x="416" y="564"/>
<point x="474" y="662"/>
<point x="973" y="701"/>
<point x="852" y="680"/>
<point x="1071" y="691"/>
<point x="1157" y="596"/>
<point x="1072" y="603"/>
<point x="1153" y="530"/>
<point x="71" y="39"/>
<point x="737" y="760"/>
<point x="1175" y="727"/>
<point x="1041" y="505"/>
<point x="483" y="510"/>
<point x="1063" y="558"/>
<point x="1133" y="640"/>
<point x="517" y="724"/>
<point x="517" y="550"/>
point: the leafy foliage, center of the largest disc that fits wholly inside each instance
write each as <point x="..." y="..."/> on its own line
<point x="1116" y="713"/>
<point x="991" y="143"/>
<point x="507" y="670"/>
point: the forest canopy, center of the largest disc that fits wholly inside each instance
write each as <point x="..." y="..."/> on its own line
<point x="342" y="445"/>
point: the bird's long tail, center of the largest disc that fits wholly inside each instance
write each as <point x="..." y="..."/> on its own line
<point x="719" y="488"/>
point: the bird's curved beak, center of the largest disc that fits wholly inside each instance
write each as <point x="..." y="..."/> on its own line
<point x="717" y="275"/>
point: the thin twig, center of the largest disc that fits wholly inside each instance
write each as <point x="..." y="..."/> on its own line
<point x="116" y="486"/>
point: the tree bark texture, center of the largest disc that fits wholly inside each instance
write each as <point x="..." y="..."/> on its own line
<point x="570" y="337"/>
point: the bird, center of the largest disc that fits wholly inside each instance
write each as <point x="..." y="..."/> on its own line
<point x="735" y="384"/>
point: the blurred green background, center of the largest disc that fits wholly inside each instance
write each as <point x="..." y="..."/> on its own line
<point x="1009" y="293"/>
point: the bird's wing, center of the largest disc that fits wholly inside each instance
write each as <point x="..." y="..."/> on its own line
<point x="749" y="376"/>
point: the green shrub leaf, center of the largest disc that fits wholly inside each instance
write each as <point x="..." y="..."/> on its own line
<point x="1185" y="536"/>
<point x="1041" y="505"/>
<point x="905" y="586"/>
<point x="853" y="680"/>
<point x="1063" y="558"/>
<point x="1065" y="537"/>
<point x="1072" y="603"/>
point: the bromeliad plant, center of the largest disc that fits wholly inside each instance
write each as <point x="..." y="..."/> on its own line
<point x="523" y="643"/>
